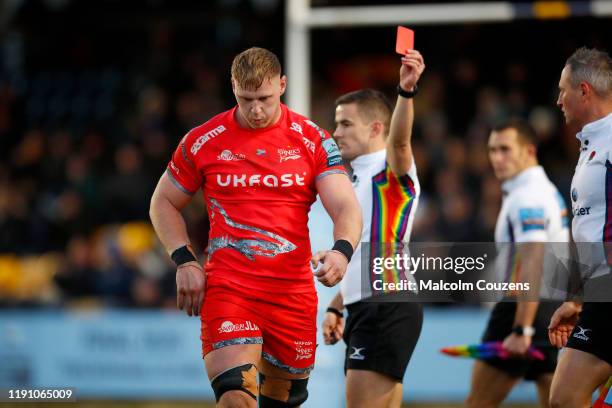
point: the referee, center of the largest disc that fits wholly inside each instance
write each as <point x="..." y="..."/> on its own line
<point x="585" y="97"/>
<point x="532" y="213"/>
<point x="380" y="336"/>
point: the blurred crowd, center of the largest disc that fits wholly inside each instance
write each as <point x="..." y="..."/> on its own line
<point x="85" y="136"/>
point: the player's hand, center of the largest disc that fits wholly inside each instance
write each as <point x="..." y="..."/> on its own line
<point x="333" y="328"/>
<point x="190" y="280"/>
<point x="562" y="323"/>
<point x="517" y="345"/>
<point x="332" y="269"/>
<point x="411" y="70"/>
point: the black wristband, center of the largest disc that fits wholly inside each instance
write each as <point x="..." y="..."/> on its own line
<point x="344" y="247"/>
<point x="407" y="94"/>
<point x="334" y="311"/>
<point x="182" y="255"/>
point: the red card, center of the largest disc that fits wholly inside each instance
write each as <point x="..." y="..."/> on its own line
<point x="405" y="40"/>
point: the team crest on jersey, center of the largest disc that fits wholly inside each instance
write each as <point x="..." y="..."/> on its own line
<point x="289" y="154"/>
<point x="227" y="155"/>
<point x="592" y="155"/>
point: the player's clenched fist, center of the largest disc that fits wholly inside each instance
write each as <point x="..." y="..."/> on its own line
<point x="333" y="328"/>
<point x="333" y="267"/>
<point x="190" y="287"/>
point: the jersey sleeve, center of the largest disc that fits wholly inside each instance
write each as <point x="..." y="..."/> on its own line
<point x="412" y="171"/>
<point x="326" y="153"/>
<point x="529" y="221"/>
<point x="182" y="168"/>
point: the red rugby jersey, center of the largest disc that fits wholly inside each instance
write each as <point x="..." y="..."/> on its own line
<point x="258" y="185"/>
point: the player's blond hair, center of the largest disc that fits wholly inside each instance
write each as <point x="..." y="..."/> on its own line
<point x="251" y="67"/>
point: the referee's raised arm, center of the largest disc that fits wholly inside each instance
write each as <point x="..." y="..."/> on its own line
<point x="399" y="149"/>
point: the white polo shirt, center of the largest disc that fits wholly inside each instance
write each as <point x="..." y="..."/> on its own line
<point x="591" y="194"/>
<point x="388" y="204"/>
<point x="532" y="210"/>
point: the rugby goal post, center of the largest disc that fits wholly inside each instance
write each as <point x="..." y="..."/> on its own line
<point x="300" y="18"/>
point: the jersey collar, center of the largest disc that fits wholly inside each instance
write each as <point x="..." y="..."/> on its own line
<point x="594" y="129"/>
<point x="365" y="160"/>
<point x="233" y="122"/>
<point x="523" y="177"/>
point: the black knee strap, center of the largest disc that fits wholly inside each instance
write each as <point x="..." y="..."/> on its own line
<point x="281" y="393"/>
<point x="241" y="378"/>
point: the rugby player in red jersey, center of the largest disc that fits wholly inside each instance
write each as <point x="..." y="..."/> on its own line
<point x="260" y="167"/>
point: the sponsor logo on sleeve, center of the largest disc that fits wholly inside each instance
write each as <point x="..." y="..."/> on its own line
<point x="532" y="219"/>
<point x="332" y="151"/>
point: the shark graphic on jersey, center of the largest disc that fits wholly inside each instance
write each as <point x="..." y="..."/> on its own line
<point x="247" y="247"/>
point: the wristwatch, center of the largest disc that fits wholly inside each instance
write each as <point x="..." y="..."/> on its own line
<point x="524" y="330"/>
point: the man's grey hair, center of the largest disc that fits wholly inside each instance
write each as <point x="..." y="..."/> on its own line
<point x="592" y="66"/>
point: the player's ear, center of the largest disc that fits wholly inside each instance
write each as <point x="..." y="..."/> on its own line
<point x="283" y="84"/>
<point x="528" y="148"/>
<point x="233" y="86"/>
<point x="532" y="149"/>
<point x="586" y="89"/>
<point x="377" y="128"/>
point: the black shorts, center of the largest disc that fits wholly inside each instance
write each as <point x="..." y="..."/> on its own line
<point x="500" y="326"/>
<point x="381" y="336"/>
<point x="593" y="332"/>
